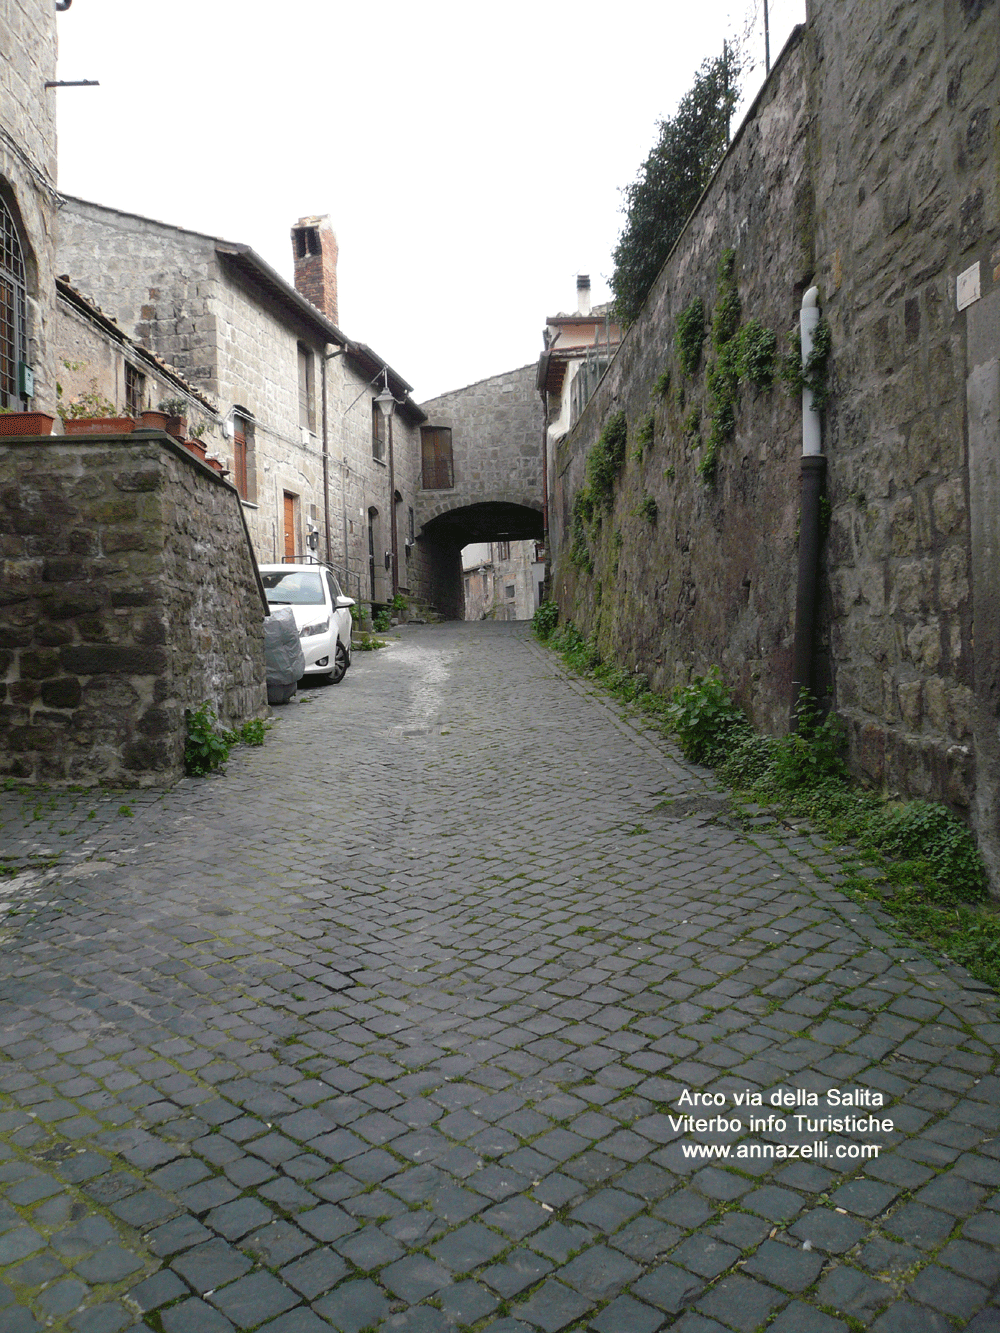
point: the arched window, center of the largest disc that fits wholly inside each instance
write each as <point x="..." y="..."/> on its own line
<point x="13" y="321"/>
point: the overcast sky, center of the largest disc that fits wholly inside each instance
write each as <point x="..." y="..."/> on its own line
<point x="469" y="157"/>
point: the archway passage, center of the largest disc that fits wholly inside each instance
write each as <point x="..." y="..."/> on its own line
<point x="489" y="521"/>
<point x="441" y="539"/>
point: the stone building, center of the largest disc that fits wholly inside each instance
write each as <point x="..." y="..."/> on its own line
<point x="867" y="166"/>
<point x="502" y="580"/>
<point x="578" y="348"/>
<point x="296" y="422"/>
<point x="27" y="205"/>
<point x="97" y="361"/>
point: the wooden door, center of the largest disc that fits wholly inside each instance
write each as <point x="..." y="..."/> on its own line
<point x="289" y="526"/>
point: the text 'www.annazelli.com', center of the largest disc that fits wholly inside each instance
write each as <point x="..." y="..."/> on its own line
<point x="781" y="1151"/>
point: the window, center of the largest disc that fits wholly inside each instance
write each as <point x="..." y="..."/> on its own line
<point x="438" y="469"/>
<point x="503" y="550"/>
<point x="509" y="590"/>
<point x="378" y="433"/>
<point x="412" y="526"/>
<point x="307" y="389"/>
<point x="135" y="390"/>
<point x="244" y="457"/>
<point x="13" y="306"/>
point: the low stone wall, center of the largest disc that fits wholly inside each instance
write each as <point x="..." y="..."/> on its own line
<point x="128" y="593"/>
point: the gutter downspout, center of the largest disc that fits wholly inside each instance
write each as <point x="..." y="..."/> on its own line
<point x="326" y="468"/>
<point x="813" y="470"/>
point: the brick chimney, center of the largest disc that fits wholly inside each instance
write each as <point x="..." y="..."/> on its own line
<point x="314" y="247"/>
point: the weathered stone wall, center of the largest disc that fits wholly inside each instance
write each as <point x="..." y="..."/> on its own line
<point x="871" y="165"/>
<point x="90" y="359"/>
<point x="496" y="435"/>
<point x="907" y="184"/>
<point x="28" y="169"/>
<point x="129" y="593"/>
<point x="713" y="578"/>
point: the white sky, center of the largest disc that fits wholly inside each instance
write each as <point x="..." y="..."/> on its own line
<point x="470" y="157"/>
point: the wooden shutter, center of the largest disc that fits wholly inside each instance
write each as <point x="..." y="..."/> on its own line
<point x="438" y="469"/>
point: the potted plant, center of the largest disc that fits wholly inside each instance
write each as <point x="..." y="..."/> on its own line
<point x="151" y="420"/>
<point x="13" y="422"/>
<point x="176" y="412"/>
<point x="91" y="413"/>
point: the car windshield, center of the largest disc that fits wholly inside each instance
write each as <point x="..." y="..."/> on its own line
<point x="300" y="587"/>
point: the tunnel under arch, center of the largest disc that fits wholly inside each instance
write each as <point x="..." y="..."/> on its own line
<point x="442" y="535"/>
<point x="485" y="521"/>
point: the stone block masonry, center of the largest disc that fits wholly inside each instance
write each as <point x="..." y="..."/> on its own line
<point x="129" y="593"/>
<point x="868" y="166"/>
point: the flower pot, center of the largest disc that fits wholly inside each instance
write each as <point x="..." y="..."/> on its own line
<point x="196" y="447"/>
<point x="25" y="423"/>
<point x="177" y="427"/>
<point x="153" y="420"/>
<point x="99" y="426"/>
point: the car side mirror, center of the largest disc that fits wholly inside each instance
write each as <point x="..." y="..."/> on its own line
<point x="344" y="602"/>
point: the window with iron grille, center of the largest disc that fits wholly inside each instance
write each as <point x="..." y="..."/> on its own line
<point x="13" y="316"/>
<point x="438" y="466"/>
<point x="503" y="550"/>
<point x="135" y="390"/>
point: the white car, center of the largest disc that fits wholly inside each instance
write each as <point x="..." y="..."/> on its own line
<point x="322" y="614"/>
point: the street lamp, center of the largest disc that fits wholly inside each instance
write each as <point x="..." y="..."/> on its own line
<point x="386" y="404"/>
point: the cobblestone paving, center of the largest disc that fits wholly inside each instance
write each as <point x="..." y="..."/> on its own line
<point x="384" y="1029"/>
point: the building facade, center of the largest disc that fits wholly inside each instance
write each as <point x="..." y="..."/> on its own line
<point x="27" y="205"/>
<point x="323" y="473"/>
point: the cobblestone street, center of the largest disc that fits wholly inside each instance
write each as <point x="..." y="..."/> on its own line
<point x="384" y="1030"/>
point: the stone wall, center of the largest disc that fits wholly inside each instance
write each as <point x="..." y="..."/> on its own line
<point x="870" y="164"/>
<point x="28" y="169"/>
<point x="712" y="580"/>
<point x="129" y="593"/>
<point x="496" y="427"/>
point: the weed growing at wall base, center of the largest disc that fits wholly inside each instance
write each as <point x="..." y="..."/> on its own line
<point x="208" y="745"/>
<point x="929" y="878"/>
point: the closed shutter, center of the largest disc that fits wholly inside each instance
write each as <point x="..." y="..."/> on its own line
<point x="438" y="469"/>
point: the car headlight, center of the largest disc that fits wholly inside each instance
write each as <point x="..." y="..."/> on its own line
<point x="321" y="628"/>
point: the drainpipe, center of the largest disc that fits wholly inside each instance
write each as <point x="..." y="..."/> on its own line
<point x="326" y="466"/>
<point x="812" y="473"/>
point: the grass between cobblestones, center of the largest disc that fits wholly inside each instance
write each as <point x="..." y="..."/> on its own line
<point x="391" y="1104"/>
<point x="913" y="862"/>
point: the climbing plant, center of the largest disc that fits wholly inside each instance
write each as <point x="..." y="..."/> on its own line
<point x="723" y="375"/>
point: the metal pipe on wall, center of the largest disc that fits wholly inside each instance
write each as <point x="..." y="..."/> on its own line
<point x="813" y="470"/>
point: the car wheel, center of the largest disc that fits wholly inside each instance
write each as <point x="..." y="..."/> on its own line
<point x="341" y="662"/>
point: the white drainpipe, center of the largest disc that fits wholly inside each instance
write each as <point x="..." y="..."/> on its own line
<point x="813" y="467"/>
<point x="812" y="426"/>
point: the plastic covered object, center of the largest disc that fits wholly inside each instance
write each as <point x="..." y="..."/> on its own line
<point x="283" y="658"/>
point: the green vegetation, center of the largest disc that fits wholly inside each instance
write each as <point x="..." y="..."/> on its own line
<point x="723" y="378"/>
<point x="911" y="860"/>
<point x="365" y="643"/>
<point x="644" y="437"/>
<point x="208" y="745"/>
<point x="647" y="508"/>
<point x="756" y="348"/>
<point x="815" y="374"/>
<point x="545" y="620"/>
<point x="689" y="335"/>
<point x="606" y="460"/>
<point x="659" y="201"/>
<point x="381" y="619"/>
